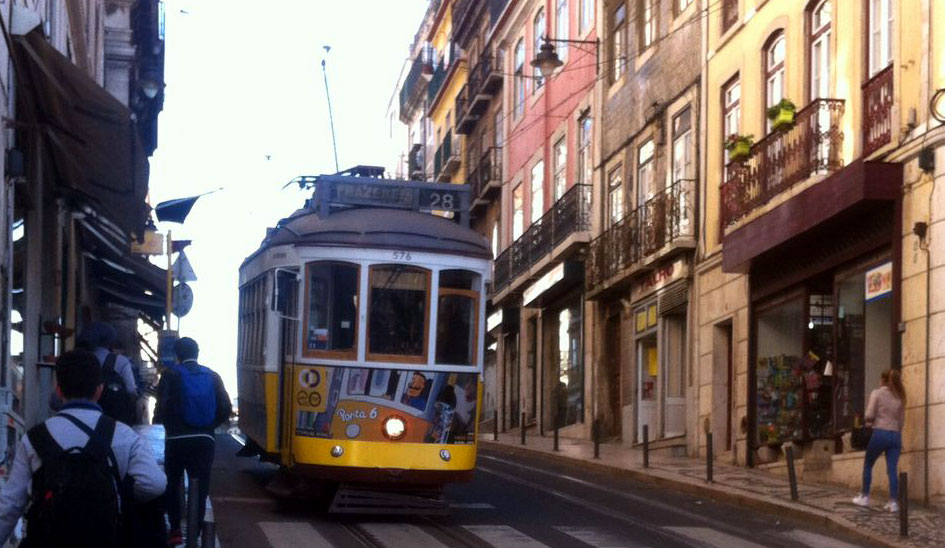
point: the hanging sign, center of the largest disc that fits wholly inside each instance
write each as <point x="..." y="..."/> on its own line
<point x="183" y="299"/>
<point x="879" y="281"/>
<point x="183" y="271"/>
<point x="153" y="244"/>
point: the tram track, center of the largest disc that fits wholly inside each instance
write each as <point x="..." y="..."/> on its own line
<point x="447" y="534"/>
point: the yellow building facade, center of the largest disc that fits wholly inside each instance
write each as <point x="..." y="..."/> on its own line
<point x="820" y="156"/>
<point x="449" y="77"/>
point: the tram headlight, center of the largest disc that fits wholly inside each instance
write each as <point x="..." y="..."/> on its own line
<point x="394" y="427"/>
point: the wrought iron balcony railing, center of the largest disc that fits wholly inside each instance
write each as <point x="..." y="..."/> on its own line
<point x="877" y="111"/>
<point x="446" y="160"/>
<point x="784" y="158"/>
<point x="569" y="215"/>
<point x="664" y="219"/>
<point x="487" y="173"/>
<point x="412" y="86"/>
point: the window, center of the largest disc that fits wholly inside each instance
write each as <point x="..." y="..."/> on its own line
<point x="774" y="73"/>
<point x="729" y="14"/>
<point x="584" y="150"/>
<point x="561" y="161"/>
<point x="495" y="239"/>
<point x="457" y="318"/>
<point x="562" y="31"/>
<point x="538" y="191"/>
<point x="569" y="391"/>
<point x="646" y="178"/>
<point x="519" y="79"/>
<point x="615" y="196"/>
<point x="398" y="313"/>
<point x="681" y="5"/>
<point x="731" y="114"/>
<point x="820" y="19"/>
<point x="647" y="23"/>
<point x="499" y="131"/>
<point x="682" y="145"/>
<point x="880" y="37"/>
<point x="518" y="211"/>
<point x="587" y="16"/>
<point x="252" y="311"/>
<point x="331" y="311"/>
<point x="538" y="30"/>
<point x="618" y="45"/>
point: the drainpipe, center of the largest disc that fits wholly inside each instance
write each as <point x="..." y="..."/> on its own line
<point x="928" y="337"/>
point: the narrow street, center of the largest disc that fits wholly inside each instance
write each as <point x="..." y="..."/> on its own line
<point x="512" y="503"/>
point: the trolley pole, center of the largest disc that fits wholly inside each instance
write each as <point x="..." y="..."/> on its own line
<point x="331" y="118"/>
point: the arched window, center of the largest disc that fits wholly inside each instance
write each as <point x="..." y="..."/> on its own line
<point x="774" y="71"/>
<point x="538" y="28"/>
<point x="821" y="18"/>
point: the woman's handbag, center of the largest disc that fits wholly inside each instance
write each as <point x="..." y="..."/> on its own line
<point x="860" y="437"/>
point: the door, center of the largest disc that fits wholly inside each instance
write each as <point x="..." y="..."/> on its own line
<point x="674" y="367"/>
<point x="647" y="375"/>
<point x="611" y="375"/>
<point x="512" y="376"/>
<point x="532" y="368"/>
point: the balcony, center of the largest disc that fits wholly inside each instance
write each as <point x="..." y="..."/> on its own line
<point x="653" y="230"/>
<point x="412" y="89"/>
<point x="877" y="111"/>
<point x="464" y="19"/>
<point x="485" y="79"/>
<point x="546" y="240"/>
<point x="784" y="158"/>
<point x="447" y="160"/>
<point x="436" y="82"/>
<point x="415" y="162"/>
<point x="486" y="177"/>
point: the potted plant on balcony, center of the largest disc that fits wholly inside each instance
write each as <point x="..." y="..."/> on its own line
<point x="782" y="114"/>
<point x="738" y="146"/>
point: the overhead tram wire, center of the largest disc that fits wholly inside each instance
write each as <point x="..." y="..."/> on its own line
<point x="331" y="118"/>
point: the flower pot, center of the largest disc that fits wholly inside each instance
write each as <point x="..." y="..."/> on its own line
<point x="783" y="119"/>
<point x="740" y="152"/>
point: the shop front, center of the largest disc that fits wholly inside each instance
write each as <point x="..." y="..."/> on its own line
<point x="659" y="321"/>
<point x="824" y="290"/>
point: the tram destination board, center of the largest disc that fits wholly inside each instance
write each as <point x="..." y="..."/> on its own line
<point x="395" y="195"/>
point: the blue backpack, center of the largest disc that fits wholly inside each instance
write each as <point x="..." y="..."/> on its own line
<point x="198" y="396"/>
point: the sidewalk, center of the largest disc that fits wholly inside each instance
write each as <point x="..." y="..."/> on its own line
<point x="826" y="505"/>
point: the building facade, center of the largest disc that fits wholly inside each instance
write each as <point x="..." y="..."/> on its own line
<point x="712" y="217"/>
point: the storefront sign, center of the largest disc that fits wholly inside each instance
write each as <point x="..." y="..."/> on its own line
<point x="660" y="278"/>
<point x="153" y="244"/>
<point x="543" y="284"/>
<point x="879" y="281"/>
<point x="494" y="320"/>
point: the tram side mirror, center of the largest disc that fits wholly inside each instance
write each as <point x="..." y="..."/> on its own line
<point x="285" y="291"/>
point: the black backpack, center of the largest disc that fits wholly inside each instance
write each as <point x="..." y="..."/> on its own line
<point x="75" y="499"/>
<point x="116" y="401"/>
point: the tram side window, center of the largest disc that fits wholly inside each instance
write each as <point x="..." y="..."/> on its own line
<point x="457" y="318"/>
<point x="332" y="309"/>
<point x="397" y="317"/>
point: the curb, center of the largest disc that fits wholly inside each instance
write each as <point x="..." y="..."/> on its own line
<point x="729" y="494"/>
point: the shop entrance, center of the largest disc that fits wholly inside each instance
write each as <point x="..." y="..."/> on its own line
<point x="660" y="372"/>
<point x="513" y="375"/>
<point x="611" y="375"/>
<point x="647" y="374"/>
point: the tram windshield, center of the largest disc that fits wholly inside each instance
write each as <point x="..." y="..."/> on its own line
<point x="457" y="318"/>
<point x="398" y="313"/>
<point x="332" y="309"/>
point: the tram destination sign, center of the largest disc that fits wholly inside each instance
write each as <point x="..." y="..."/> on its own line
<point x="395" y="195"/>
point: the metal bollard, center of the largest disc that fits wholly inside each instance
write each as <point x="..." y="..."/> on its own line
<point x="792" y="474"/>
<point x="646" y="446"/>
<point x="495" y="425"/>
<point x="556" y="434"/>
<point x="903" y="504"/>
<point x="193" y="506"/>
<point x="522" y="428"/>
<point x="595" y="431"/>
<point x="209" y="537"/>
<point x="708" y="457"/>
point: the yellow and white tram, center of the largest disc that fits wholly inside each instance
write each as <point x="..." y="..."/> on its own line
<point x="361" y="329"/>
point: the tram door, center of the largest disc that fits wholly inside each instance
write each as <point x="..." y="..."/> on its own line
<point x="286" y="298"/>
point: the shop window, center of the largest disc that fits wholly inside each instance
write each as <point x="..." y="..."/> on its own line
<point x="398" y="313"/>
<point x="780" y="347"/>
<point x="331" y="309"/>
<point x="457" y="318"/>
<point x="569" y="391"/>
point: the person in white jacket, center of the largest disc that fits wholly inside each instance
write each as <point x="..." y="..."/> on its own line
<point x="78" y="378"/>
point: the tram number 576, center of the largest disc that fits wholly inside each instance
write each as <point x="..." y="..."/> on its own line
<point x="402" y="256"/>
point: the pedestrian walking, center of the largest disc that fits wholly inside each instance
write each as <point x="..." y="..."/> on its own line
<point x="120" y="395"/>
<point x="76" y="474"/>
<point x="885" y="413"/>
<point x="192" y="402"/>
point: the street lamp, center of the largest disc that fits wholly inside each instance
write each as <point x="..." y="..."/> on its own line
<point x="547" y="60"/>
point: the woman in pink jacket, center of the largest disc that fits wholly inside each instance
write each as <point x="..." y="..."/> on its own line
<point x="886" y="414"/>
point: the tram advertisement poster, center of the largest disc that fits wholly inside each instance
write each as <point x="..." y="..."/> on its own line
<point x="353" y="403"/>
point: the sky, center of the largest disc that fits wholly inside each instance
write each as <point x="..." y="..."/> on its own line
<point x="245" y="110"/>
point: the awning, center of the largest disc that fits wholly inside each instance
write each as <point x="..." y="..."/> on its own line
<point x="88" y="136"/>
<point x="850" y="192"/>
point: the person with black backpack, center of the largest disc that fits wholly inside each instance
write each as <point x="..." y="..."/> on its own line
<point x="76" y="474"/>
<point x="120" y="393"/>
<point x="192" y="403"/>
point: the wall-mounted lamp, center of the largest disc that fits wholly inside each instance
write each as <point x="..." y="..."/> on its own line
<point x="937" y="105"/>
<point x="547" y="60"/>
<point x="150" y="80"/>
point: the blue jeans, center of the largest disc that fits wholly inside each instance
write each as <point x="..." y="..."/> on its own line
<point x="890" y="442"/>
